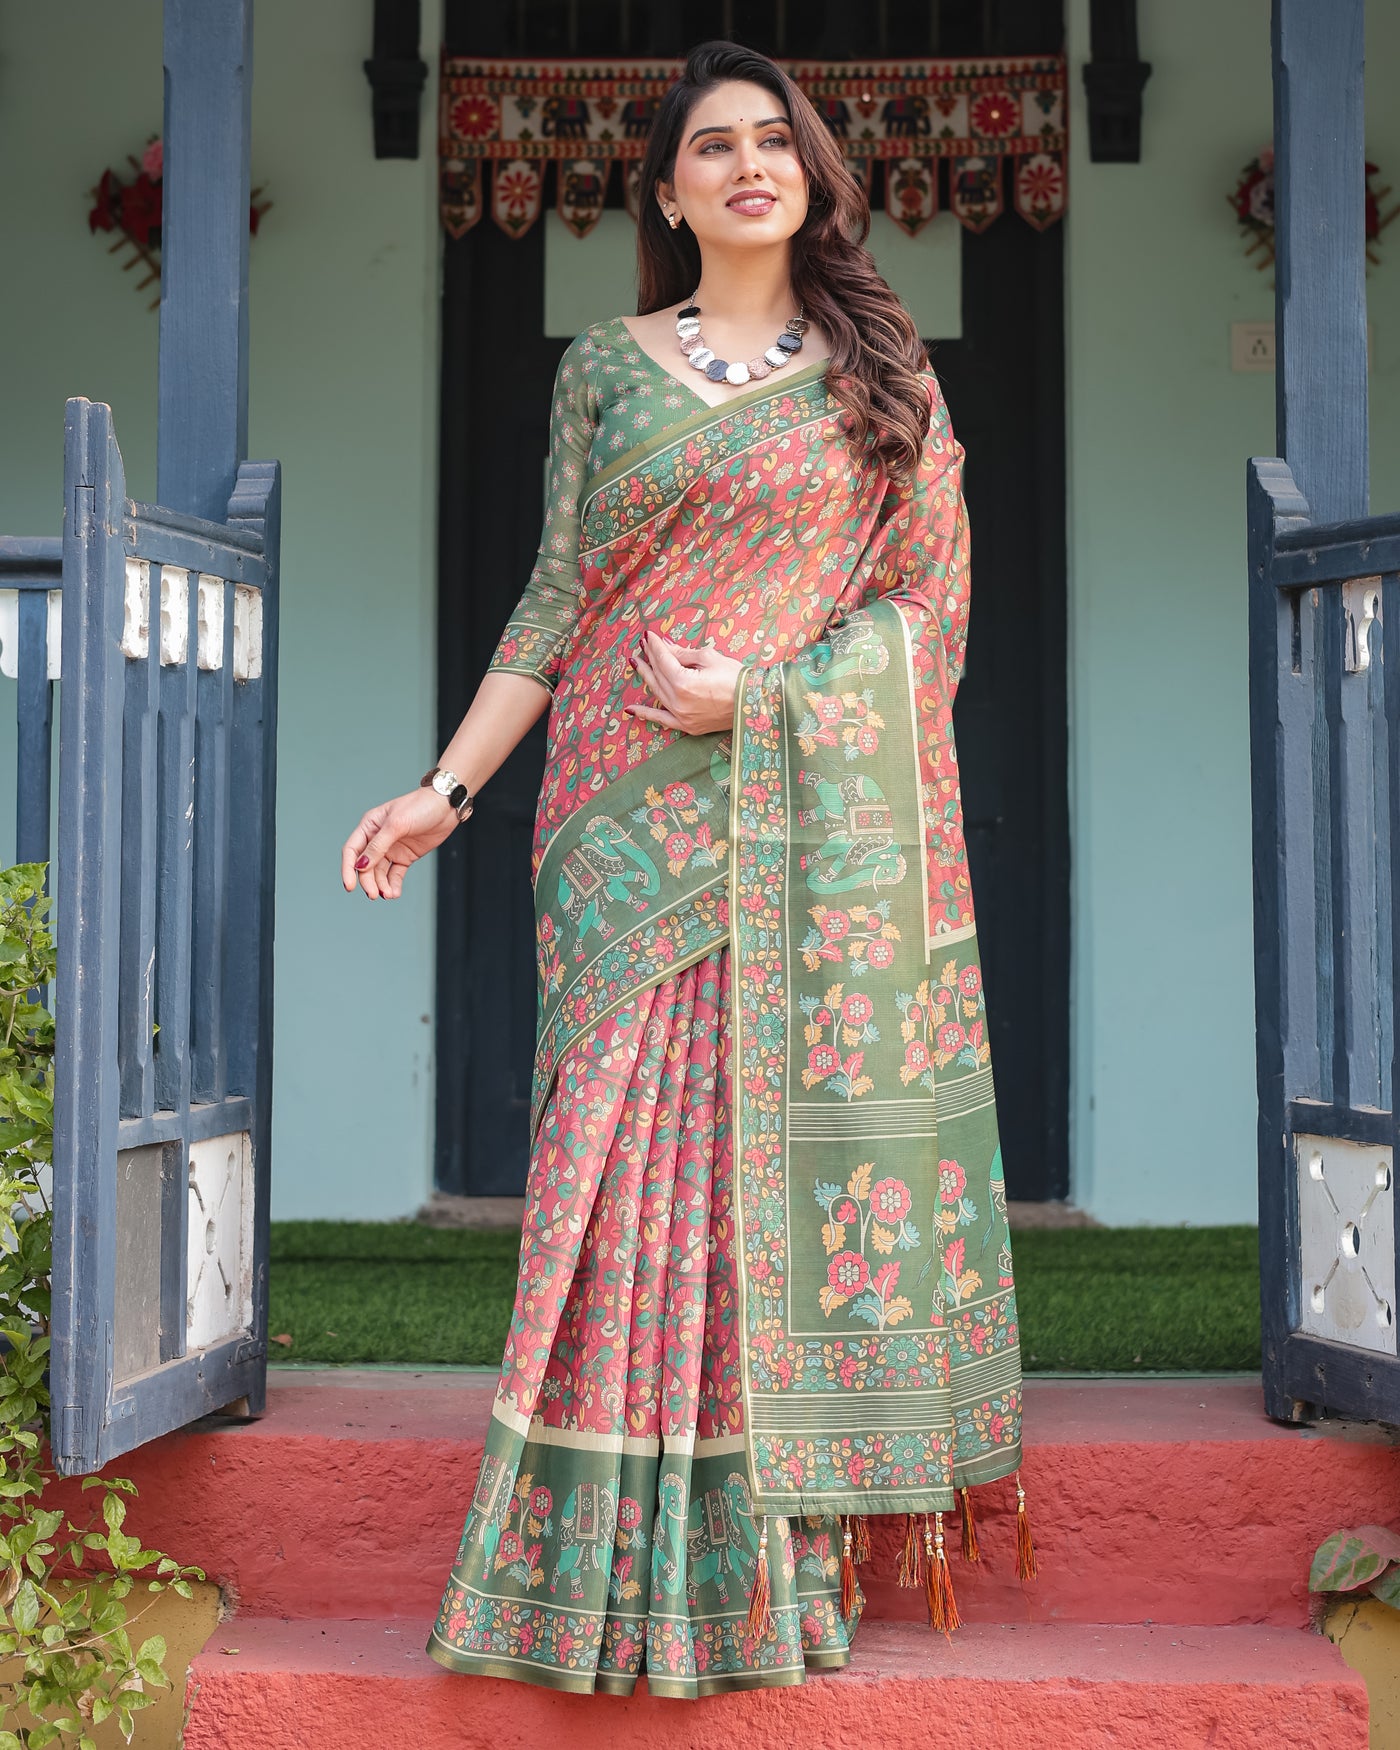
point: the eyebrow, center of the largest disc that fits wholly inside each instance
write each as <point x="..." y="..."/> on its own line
<point x="726" y="129"/>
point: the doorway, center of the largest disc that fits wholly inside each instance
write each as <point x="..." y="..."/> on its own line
<point x="1003" y="378"/>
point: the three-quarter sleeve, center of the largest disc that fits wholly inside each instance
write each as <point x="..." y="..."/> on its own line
<point x="538" y="629"/>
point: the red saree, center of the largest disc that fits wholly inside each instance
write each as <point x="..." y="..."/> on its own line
<point x="765" y="1280"/>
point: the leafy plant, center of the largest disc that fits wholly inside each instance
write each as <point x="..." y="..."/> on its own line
<point x="1366" y="1559"/>
<point x="67" y="1658"/>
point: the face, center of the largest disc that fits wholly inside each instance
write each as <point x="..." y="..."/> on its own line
<point x="738" y="180"/>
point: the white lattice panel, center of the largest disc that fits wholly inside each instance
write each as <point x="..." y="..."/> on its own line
<point x="219" y="1274"/>
<point x="1346" y="1223"/>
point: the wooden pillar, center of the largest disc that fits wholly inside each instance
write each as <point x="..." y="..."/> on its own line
<point x="1319" y="209"/>
<point x="202" y="434"/>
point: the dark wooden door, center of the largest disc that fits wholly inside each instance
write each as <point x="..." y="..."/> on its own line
<point x="1004" y="384"/>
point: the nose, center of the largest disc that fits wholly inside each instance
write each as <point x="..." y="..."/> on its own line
<point x="748" y="162"/>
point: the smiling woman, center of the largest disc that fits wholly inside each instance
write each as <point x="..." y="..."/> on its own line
<point x="765" y="1284"/>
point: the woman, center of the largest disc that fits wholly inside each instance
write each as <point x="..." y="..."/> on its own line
<point x="765" y="1292"/>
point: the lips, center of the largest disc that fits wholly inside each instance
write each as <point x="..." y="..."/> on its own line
<point x="753" y="205"/>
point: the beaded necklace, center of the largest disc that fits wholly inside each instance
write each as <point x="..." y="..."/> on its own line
<point x="718" y="370"/>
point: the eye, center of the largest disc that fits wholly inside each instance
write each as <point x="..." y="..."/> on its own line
<point x="713" y="145"/>
<point x="776" y="140"/>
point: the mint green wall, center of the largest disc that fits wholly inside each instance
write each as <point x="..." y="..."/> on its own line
<point x="344" y="358"/>
<point x="1159" y="431"/>
<point x="343" y="391"/>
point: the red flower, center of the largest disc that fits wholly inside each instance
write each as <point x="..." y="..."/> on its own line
<point x="971" y="980"/>
<point x="679" y="846"/>
<point x="510" y="1545"/>
<point x="891" y="1199"/>
<point x="679" y="795"/>
<point x="848" y="1272"/>
<point x="629" y="1513"/>
<point x="951" y="1037"/>
<point x="141" y="209"/>
<point x="867" y="740"/>
<point x="823" y="1059"/>
<point x="541" y="1501"/>
<point x="834" y="925"/>
<point x="951" y="1181"/>
<point x="996" y="113"/>
<point x="880" y="954"/>
<point x="916" y="1054"/>
<point x="475" y="117"/>
<point x="857" y="1009"/>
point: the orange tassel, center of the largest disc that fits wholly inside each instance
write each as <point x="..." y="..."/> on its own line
<point x="938" y="1580"/>
<point x="761" y="1596"/>
<point x="860" y="1525"/>
<point x="1025" y="1547"/>
<point x="848" y="1574"/>
<point x="908" y="1571"/>
<point x="970" y="1551"/>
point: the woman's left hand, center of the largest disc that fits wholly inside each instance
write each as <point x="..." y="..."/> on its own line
<point x="692" y="688"/>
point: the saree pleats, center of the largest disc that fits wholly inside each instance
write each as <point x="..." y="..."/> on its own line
<point x="611" y="1531"/>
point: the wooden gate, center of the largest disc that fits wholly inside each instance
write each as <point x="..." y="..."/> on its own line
<point x="1325" y="741"/>
<point x="166" y="787"/>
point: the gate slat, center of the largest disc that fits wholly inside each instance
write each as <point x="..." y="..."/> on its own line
<point x="135" y="1039"/>
<point x="85" y="990"/>
<point x="213" y="728"/>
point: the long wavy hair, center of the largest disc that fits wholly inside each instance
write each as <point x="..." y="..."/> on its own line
<point x="875" y="350"/>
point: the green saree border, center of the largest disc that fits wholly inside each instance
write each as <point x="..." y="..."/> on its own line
<point x="703" y="416"/>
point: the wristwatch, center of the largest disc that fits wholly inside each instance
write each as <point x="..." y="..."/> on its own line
<point x="448" y="784"/>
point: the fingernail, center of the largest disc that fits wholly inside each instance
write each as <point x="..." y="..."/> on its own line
<point x="362" y="862"/>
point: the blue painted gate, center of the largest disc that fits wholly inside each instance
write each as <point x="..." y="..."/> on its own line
<point x="1324" y="580"/>
<point x="166" y="791"/>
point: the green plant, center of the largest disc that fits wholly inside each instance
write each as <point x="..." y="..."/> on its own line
<point x="67" y="1661"/>
<point x="1366" y="1559"/>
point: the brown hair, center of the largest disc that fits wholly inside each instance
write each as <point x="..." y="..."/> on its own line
<point x="876" y="353"/>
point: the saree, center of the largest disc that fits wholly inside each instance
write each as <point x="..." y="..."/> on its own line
<point x="765" y="1283"/>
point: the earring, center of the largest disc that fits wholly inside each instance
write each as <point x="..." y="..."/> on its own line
<point x="674" y="217"/>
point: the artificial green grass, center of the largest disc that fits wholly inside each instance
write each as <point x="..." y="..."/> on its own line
<point x="1092" y="1300"/>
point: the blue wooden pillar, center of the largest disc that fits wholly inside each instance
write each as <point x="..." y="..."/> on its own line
<point x="1319" y="210"/>
<point x="202" y="434"/>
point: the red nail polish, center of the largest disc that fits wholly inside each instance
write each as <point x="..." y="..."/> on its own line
<point x="362" y="862"/>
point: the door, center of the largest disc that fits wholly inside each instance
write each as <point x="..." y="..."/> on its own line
<point x="1004" y="384"/>
<point x="1324" y="685"/>
<point x="163" y="995"/>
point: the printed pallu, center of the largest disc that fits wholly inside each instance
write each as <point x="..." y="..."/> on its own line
<point x="987" y="120"/>
<point x="809" y="864"/>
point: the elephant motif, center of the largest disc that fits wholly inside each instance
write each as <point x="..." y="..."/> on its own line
<point x="669" y="1540"/>
<point x="587" y="1528"/>
<point x="836" y="113"/>
<point x="638" y="113"/>
<point x="725" y="1543"/>
<point x="492" y="1503"/>
<point x="860" y="849"/>
<point x="565" y="118"/>
<point x="906" y="117"/>
<point x="975" y="181"/>
<point x="595" y="875"/>
<point x="584" y="188"/>
<point x="855" y="648"/>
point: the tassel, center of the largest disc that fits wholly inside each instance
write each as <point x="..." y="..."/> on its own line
<point x="908" y="1572"/>
<point x="1025" y="1547"/>
<point x="760" y="1621"/>
<point x="848" y="1574"/>
<point x="938" y="1580"/>
<point x="970" y="1551"/>
<point x="861" y="1527"/>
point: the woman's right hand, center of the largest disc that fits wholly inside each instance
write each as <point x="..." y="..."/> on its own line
<point x="391" y="838"/>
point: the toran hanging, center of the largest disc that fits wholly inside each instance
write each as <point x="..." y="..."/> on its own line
<point x="986" y="119"/>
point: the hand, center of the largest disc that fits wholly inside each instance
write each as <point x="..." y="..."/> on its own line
<point x="391" y="838"/>
<point x="693" y="687"/>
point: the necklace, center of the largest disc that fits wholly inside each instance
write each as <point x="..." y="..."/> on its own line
<point x="718" y="370"/>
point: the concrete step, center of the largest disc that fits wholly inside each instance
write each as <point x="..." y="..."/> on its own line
<point x="1163" y="1501"/>
<point x="338" y="1685"/>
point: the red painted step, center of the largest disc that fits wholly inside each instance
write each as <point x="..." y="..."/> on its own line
<point x="337" y="1685"/>
<point x="1163" y="1501"/>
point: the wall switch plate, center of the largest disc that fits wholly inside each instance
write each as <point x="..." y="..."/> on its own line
<point x="1252" y="346"/>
